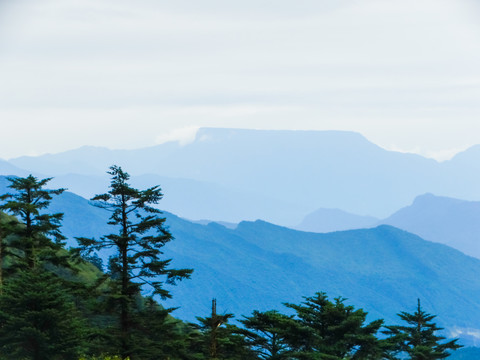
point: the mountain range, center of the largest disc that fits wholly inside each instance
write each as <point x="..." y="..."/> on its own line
<point x="259" y="265"/>
<point x="279" y="176"/>
<point x="323" y="184"/>
<point x="441" y="219"/>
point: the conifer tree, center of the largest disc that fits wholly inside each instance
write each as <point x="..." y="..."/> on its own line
<point x="38" y="319"/>
<point x="8" y="226"/>
<point x="219" y="340"/>
<point x="333" y="331"/>
<point x="39" y="237"/>
<point x="418" y="339"/>
<point x="157" y="335"/>
<point x="139" y="236"/>
<point x="266" y="333"/>
<point x="3" y="243"/>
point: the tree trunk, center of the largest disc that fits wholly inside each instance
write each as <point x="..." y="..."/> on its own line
<point x="124" y="316"/>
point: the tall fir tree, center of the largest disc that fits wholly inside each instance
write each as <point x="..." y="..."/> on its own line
<point x="39" y="238"/>
<point x="419" y="339"/>
<point x="139" y="238"/>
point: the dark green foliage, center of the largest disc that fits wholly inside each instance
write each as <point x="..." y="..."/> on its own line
<point x="38" y="319"/>
<point x="39" y="237"/>
<point x="418" y="338"/>
<point x="138" y="240"/>
<point x="157" y="335"/>
<point x="219" y="340"/>
<point x="333" y="331"/>
<point x="95" y="260"/>
<point x="43" y="289"/>
<point x="397" y="265"/>
<point x="78" y="310"/>
<point x="87" y="285"/>
<point x="229" y="344"/>
<point x="266" y="333"/>
<point x="8" y="226"/>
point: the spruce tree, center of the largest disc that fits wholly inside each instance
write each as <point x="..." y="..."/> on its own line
<point x="38" y="319"/>
<point x="418" y="339"/>
<point x="266" y="333"/>
<point x="39" y="238"/>
<point x="219" y="340"/>
<point x="157" y="335"/>
<point x="333" y="331"/>
<point x="139" y="237"/>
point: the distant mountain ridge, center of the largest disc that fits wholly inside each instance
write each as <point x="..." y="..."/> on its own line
<point x="310" y="169"/>
<point x="7" y="168"/>
<point x="328" y="220"/>
<point x="279" y="176"/>
<point x="441" y="219"/>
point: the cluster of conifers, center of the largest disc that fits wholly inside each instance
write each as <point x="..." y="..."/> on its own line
<point x="61" y="304"/>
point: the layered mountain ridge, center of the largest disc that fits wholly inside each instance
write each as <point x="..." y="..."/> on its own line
<point x="302" y="169"/>
<point x="259" y="265"/>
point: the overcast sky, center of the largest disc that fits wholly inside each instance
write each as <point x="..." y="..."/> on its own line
<point x="126" y="74"/>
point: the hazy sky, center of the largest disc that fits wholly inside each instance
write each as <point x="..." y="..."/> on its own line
<point x="126" y="74"/>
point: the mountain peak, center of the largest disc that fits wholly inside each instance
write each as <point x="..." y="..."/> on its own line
<point x="470" y="154"/>
<point x="430" y="199"/>
<point x="446" y="220"/>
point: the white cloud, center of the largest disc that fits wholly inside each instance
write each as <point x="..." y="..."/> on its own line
<point x="401" y="72"/>
<point x="183" y="136"/>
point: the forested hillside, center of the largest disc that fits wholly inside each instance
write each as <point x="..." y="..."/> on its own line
<point x="250" y="270"/>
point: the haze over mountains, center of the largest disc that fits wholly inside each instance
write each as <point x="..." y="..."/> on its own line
<point x="7" y="168"/>
<point x="327" y="220"/>
<point x="294" y="172"/>
<point x="316" y="181"/>
<point x="449" y="221"/>
<point x="441" y="219"/>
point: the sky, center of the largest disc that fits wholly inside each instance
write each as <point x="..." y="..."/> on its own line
<point x="129" y="74"/>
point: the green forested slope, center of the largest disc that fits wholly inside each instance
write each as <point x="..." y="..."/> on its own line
<point x="259" y="265"/>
